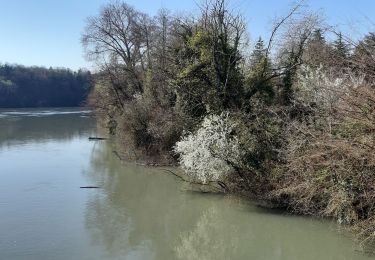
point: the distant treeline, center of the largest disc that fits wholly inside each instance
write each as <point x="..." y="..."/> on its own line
<point x="22" y="86"/>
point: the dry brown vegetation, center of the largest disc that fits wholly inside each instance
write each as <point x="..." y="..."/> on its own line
<point x="330" y="159"/>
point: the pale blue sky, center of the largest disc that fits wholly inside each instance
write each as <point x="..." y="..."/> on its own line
<point x="47" y="32"/>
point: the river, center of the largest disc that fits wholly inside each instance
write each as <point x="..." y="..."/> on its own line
<point x="137" y="213"/>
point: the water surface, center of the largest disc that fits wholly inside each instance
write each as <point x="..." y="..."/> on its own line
<point x="139" y="212"/>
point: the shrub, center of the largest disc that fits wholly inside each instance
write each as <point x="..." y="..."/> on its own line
<point x="210" y="153"/>
<point x="148" y="131"/>
<point x="318" y="87"/>
<point x="330" y="169"/>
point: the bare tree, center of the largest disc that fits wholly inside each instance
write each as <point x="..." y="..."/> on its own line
<point x="117" y="40"/>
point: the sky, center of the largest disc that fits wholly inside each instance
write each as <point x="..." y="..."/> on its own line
<point x="47" y="32"/>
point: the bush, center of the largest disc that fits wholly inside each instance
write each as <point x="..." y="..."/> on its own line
<point x="210" y="153"/>
<point x="330" y="164"/>
<point x="148" y="131"/>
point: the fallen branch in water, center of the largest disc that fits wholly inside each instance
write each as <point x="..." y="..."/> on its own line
<point x="117" y="155"/>
<point x="210" y="184"/>
<point x="89" y="187"/>
<point x="222" y="185"/>
<point x="97" y="138"/>
<point x="139" y="163"/>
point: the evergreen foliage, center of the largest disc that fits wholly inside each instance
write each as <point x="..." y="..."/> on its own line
<point x="341" y="48"/>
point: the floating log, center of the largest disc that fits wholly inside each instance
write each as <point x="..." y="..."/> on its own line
<point x="96" y="138"/>
<point x="89" y="187"/>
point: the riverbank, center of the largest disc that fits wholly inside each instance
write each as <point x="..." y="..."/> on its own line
<point x="268" y="190"/>
<point x="290" y="121"/>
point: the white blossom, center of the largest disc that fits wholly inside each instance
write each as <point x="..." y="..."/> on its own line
<point x="204" y="155"/>
<point x="316" y="86"/>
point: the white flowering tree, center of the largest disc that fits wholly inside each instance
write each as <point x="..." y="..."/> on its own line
<point x="316" y="86"/>
<point x="208" y="154"/>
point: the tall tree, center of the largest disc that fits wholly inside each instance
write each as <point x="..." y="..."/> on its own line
<point x="363" y="58"/>
<point x="317" y="50"/>
<point x="210" y="78"/>
<point x="117" y="40"/>
<point x="258" y="54"/>
<point x="260" y="68"/>
<point x="341" y="52"/>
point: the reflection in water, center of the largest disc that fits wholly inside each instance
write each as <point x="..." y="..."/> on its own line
<point x="142" y="213"/>
<point x="127" y="218"/>
<point x="221" y="234"/>
<point x="207" y="242"/>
